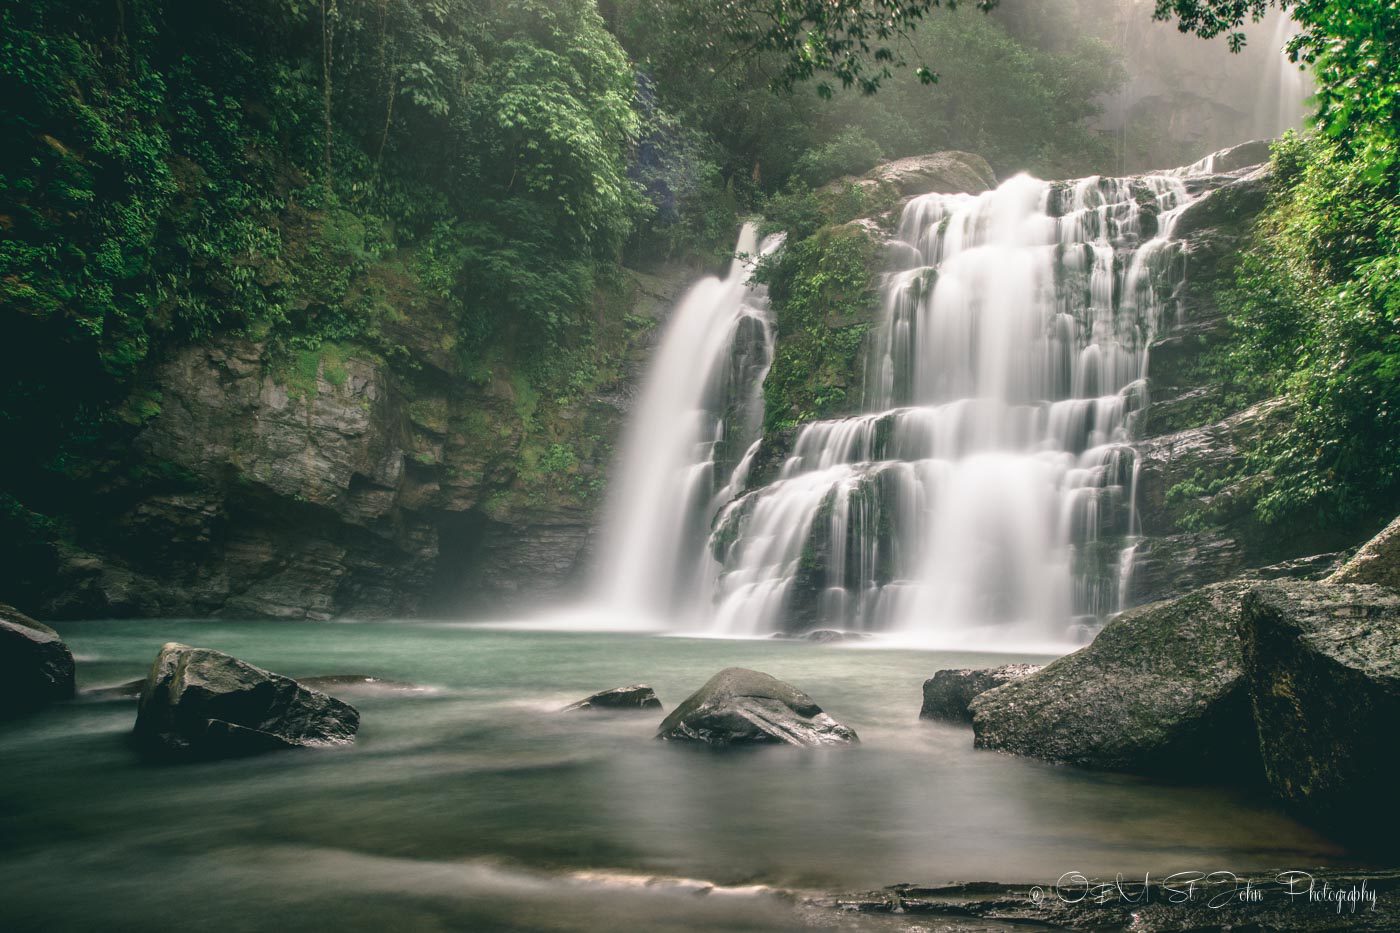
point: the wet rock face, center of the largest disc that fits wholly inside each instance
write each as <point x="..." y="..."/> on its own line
<point x="1377" y="562"/>
<point x="36" y="667"/>
<point x="202" y="703"/>
<point x="1161" y="690"/>
<point x="949" y="172"/>
<point x="742" y="707"/>
<point x="948" y="693"/>
<point x="635" y="697"/>
<point x="1323" y="666"/>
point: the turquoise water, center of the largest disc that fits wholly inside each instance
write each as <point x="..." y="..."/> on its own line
<point x="476" y="805"/>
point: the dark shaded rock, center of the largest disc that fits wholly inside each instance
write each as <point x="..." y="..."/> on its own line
<point x="206" y="703"/>
<point x="1323" y="663"/>
<point x="1377" y="562"/>
<point x="1160" y="690"/>
<point x="36" y="667"/>
<point x="635" y="697"/>
<point x="1227" y="209"/>
<point x="738" y="706"/>
<point x="947" y="693"/>
<point x="15" y="617"/>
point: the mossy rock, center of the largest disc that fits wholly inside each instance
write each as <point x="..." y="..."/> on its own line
<point x="1161" y="690"/>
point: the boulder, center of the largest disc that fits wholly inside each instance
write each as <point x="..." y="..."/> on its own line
<point x="1323" y="666"/>
<point x="947" y="693"/>
<point x="1160" y="690"/>
<point x="635" y="697"/>
<point x="205" y="703"/>
<point x="738" y="706"/>
<point x="1377" y="562"/>
<point x="36" y="667"/>
<point x="948" y="172"/>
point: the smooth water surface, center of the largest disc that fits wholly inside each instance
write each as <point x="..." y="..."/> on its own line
<point x="477" y="805"/>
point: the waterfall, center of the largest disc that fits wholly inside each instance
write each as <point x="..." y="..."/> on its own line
<point x="986" y="495"/>
<point x="689" y="443"/>
<point x="1285" y="87"/>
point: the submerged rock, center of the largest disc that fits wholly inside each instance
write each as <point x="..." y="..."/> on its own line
<point x="1323" y="663"/>
<point x="36" y="667"/>
<point x="947" y="693"/>
<point x="635" y="697"/>
<point x="1377" y="562"/>
<point x="823" y="636"/>
<point x="738" y="706"/>
<point x="1160" y="690"/>
<point x="130" y="690"/>
<point x="361" y="684"/>
<point x="203" y="702"/>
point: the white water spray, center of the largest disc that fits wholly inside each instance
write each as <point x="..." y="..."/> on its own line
<point x="700" y="410"/>
<point x="986" y="498"/>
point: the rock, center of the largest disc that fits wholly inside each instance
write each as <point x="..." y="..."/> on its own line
<point x="947" y="693"/>
<point x="15" y="617"/>
<point x="1282" y="902"/>
<point x="1234" y="158"/>
<point x="635" y="697"/>
<point x="1323" y="666"/>
<point x="824" y="636"/>
<point x="130" y="690"/>
<point x="36" y="667"/>
<point x="948" y="172"/>
<point x="738" y="706"/>
<point x="201" y="702"/>
<point x="1224" y="215"/>
<point x="1377" y="562"/>
<point x="1160" y="690"/>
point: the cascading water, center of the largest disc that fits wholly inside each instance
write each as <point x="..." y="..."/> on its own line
<point x="986" y="497"/>
<point x="1284" y="89"/>
<point x="689" y="443"/>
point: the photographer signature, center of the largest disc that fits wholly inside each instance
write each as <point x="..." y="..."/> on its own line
<point x="1217" y="889"/>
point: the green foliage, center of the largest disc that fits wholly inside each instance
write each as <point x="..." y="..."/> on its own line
<point x="856" y="43"/>
<point x="304" y="174"/>
<point x="823" y="293"/>
<point x="1316" y="317"/>
<point x="1023" y="107"/>
<point x="849" y="153"/>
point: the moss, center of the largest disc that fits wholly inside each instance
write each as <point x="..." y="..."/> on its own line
<point x="430" y="414"/>
<point x="823" y="297"/>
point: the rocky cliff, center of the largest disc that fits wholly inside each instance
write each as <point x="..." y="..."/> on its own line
<point x="337" y="483"/>
<point x="1196" y="486"/>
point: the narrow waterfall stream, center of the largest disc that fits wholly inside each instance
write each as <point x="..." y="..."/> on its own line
<point x="689" y="443"/>
<point x="984" y="499"/>
<point x="1284" y="90"/>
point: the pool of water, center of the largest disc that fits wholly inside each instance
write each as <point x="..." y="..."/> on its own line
<point x="476" y="804"/>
